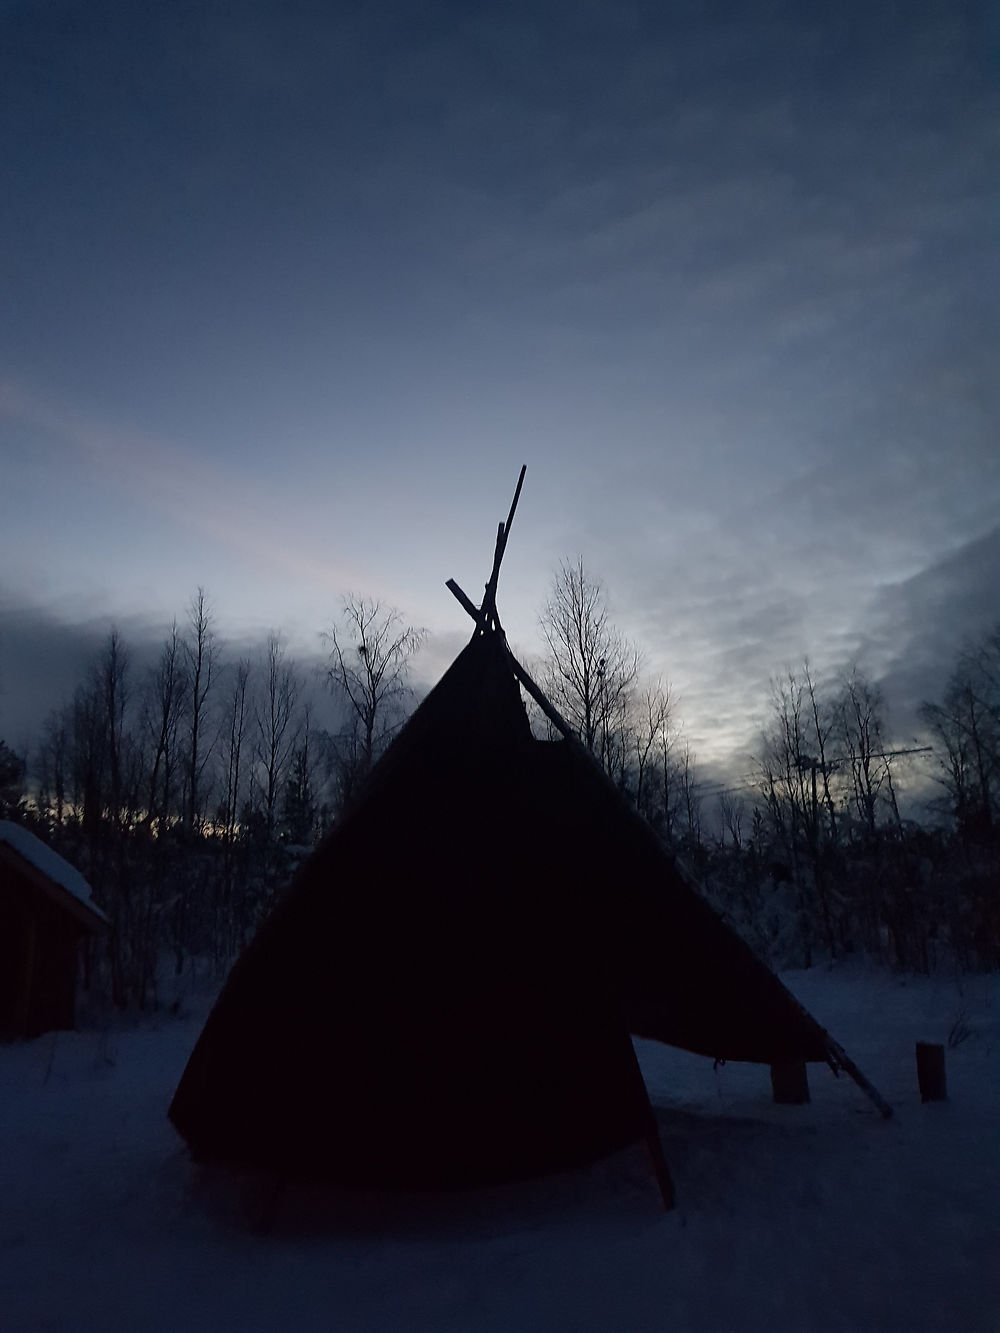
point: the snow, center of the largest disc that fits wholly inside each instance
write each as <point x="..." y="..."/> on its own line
<point x="819" y="1217"/>
<point x="50" y="863"/>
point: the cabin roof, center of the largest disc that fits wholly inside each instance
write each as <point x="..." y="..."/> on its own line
<point x="52" y="867"/>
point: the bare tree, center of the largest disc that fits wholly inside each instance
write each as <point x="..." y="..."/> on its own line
<point x="591" y="667"/>
<point x="166" y="696"/>
<point x="690" y="798"/>
<point x="667" y="807"/>
<point x="112" y="680"/>
<point x="788" y="765"/>
<point x="277" y="727"/>
<point x="823" y="725"/>
<point x="965" y="726"/>
<point x="784" y="764"/>
<point x="371" y="648"/>
<point x="12" y="772"/>
<point x="89" y="768"/>
<point x="201" y="651"/>
<point x="234" y="734"/>
<point x="301" y="814"/>
<point x="862" y="727"/>
<point x="652" y="720"/>
<point x="55" y="761"/>
<point x="101" y="741"/>
<point x="107" y="760"/>
<point x="732" y="814"/>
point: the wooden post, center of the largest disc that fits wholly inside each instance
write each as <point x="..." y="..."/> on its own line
<point x="838" y="1058"/>
<point x="462" y="598"/>
<point x="660" y="1169"/>
<point x="488" y="610"/>
<point x="790" y="1083"/>
<point x="654" y="1147"/>
<point x="930" y="1072"/>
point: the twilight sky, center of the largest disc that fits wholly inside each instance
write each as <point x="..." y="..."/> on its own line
<point x="288" y="292"/>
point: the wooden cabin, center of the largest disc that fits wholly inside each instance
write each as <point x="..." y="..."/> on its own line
<point x="45" y="911"/>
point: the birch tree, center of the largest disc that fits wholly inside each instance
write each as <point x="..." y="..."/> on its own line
<point x="371" y="651"/>
<point x="590" y="667"/>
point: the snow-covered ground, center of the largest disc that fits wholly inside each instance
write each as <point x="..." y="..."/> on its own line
<point x="820" y="1217"/>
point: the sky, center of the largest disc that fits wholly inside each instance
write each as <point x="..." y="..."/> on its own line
<point x="289" y="292"/>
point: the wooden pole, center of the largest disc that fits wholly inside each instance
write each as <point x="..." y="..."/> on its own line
<point x="489" y="606"/>
<point x="463" y="600"/>
<point x="660" y="1169"/>
<point x="488" y="610"/>
<point x="654" y="1146"/>
<point x="839" y="1059"/>
<point x="930" y="1072"/>
<point x="553" y="714"/>
<point x="790" y="1083"/>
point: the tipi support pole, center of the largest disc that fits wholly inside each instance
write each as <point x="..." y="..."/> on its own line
<point x="930" y="1072"/>
<point x="839" y="1059"/>
<point x="554" y="716"/>
<point x="488" y="610"/>
<point x="790" y="1083"/>
<point x="466" y="602"/>
<point x="660" y="1169"/>
<point x="513" y="503"/>
<point x="652" y="1136"/>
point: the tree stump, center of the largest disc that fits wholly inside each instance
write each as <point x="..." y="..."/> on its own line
<point x="930" y="1072"/>
<point x="790" y="1083"/>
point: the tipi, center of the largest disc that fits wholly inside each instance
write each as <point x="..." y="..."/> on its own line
<point x="447" y="990"/>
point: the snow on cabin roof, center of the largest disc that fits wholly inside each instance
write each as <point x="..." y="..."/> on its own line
<point x="48" y="862"/>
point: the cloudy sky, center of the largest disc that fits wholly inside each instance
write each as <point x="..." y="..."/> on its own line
<point x="288" y="292"/>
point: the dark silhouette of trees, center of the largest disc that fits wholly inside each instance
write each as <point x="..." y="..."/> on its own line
<point x="302" y="816"/>
<point x="236" y="722"/>
<point x="12" y="774"/>
<point x="277" y="722"/>
<point x="828" y="797"/>
<point x="653" y="723"/>
<point x="860" y="713"/>
<point x="187" y="791"/>
<point x="201" y="654"/>
<point x="371" y="650"/>
<point x="163" y="714"/>
<point x="591" y="668"/>
<point x="54" y="760"/>
<point x="965" y="727"/>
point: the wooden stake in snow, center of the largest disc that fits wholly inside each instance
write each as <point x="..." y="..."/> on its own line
<point x="930" y="1072"/>
<point x="838" y="1058"/>
<point x="790" y="1083"/>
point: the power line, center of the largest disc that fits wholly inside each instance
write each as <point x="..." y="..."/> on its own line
<point x="753" y="781"/>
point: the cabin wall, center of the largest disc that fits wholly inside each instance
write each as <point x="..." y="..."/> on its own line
<point x="38" y="960"/>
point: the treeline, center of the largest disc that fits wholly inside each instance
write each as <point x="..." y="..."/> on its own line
<point x="186" y="792"/>
<point x="816" y="859"/>
<point x="809" y="856"/>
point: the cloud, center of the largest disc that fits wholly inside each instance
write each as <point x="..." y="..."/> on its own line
<point x="917" y="627"/>
<point x="197" y="491"/>
<point x="722" y="276"/>
<point x="43" y="658"/>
